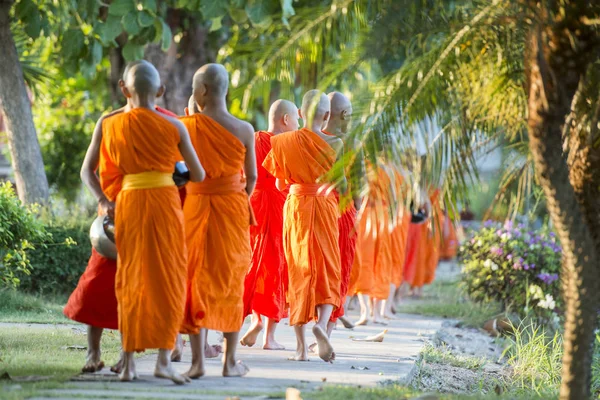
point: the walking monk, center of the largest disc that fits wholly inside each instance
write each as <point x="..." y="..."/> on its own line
<point x="138" y="150"/>
<point x="302" y="158"/>
<point x="93" y="302"/>
<point x="217" y="220"/>
<point x="266" y="280"/>
<point x="339" y="125"/>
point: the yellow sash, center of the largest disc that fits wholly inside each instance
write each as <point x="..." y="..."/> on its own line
<point x="147" y="180"/>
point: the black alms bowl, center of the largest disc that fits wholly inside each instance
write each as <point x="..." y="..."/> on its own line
<point x="181" y="175"/>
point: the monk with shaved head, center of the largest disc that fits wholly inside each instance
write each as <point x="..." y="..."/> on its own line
<point x="266" y="280"/>
<point x="93" y="302"/>
<point x="138" y="150"/>
<point x="217" y="220"/>
<point x="304" y="159"/>
<point x="339" y="126"/>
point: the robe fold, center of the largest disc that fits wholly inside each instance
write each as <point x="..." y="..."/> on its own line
<point x="449" y="244"/>
<point x="434" y="237"/>
<point x="400" y="232"/>
<point x="138" y="153"/>
<point x="217" y="221"/>
<point x="362" y="275"/>
<point x="93" y="302"/>
<point x="347" y="244"/>
<point x="264" y="285"/>
<point x="310" y="232"/>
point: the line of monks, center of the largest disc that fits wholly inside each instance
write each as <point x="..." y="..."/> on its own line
<point x="257" y="231"/>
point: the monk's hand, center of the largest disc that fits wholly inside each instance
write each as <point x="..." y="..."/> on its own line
<point x="107" y="208"/>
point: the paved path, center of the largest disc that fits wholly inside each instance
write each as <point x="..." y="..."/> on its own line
<point x="357" y="363"/>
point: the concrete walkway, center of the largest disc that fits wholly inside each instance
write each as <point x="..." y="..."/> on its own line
<point x="357" y="363"/>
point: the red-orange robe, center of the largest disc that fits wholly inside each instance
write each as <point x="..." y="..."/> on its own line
<point x="152" y="265"/>
<point x="362" y="275"/>
<point x="347" y="243"/>
<point x="217" y="220"/>
<point x="435" y="237"/>
<point x="311" y="232"/>
<point x="399" y="233"/>
<point x="93" y="302"/>
<point x="264" y="286"/>
<point x="449" y="245"/>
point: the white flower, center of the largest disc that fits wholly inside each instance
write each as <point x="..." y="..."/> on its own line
<point x="487" y="263"/>
<point x="547" y="303"/>
<point x="536" y="292"/>
<point x="505" y="236"/>
<point x="494" y="266"/>
<point x="479" y="243"/>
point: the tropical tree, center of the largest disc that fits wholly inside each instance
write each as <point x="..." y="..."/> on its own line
<point x="524" y="71"/>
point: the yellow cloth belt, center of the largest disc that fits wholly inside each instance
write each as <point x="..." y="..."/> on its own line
<point x="312" y="189"/>
<point x="147" y="180"/>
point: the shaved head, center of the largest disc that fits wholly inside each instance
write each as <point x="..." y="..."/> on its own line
<point x="214" y="77"/>
<point x="341" y="114"/>
<point x="129" y="66"/>
<point x="143" y="79"/>
<point x="283" y="116"/>
<point x="315" y="106"/>
<point x="339" y="103"/>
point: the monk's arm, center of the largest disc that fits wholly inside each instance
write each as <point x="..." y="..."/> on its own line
<point x="88" y="171"/>
<point x="197" y="173"/>
<point x="280" y="184"/>
<point x="250" y="161"/>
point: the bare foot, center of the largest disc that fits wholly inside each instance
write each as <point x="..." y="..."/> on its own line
<point x="250" y="337"/>
<point x="212" y="351"/>
<point x="378" y="321"/>
<point x="273" y="345"/>
<point x="93" y="363"/>
<point x="362" y="321"/>
<point x="167" y="372"/>
<point x="178" y="350"/>
<point x="347" y="323"/>
<point x="195" y="372"/>
<point x="128" y="372"/>
<point x="389" y="316"/>
<point x="313" y="348"/>
<point x="325" y="348"/>
<point x="118" y="367"/>
<point x="300" y="356"/>
<point x="236" y="370"/>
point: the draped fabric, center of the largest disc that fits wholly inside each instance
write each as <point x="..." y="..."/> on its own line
<point x="217" y="220"/>
<point x="310" y="232"/>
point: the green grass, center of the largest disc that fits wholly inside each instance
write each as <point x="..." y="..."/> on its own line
<point x="16" y="306"/>
<point x="442" y="355"/>
<point x="446" y="299"/>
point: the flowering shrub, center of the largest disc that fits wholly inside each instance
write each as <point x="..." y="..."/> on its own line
<point x="517" y="267"/>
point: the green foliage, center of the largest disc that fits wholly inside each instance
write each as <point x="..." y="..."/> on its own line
<point x="443" y="355"/>
<point x="516" y="267"/>
<point x="65" y="118"/>
<point x="56" y="268"/>
<point x="16" y="306"/>
<point x="20" y="232"/>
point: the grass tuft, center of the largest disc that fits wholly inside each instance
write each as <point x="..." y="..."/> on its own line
<point x="443" y="355"/>
<point x="16" y="306"/>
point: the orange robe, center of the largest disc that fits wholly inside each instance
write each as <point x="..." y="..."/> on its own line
<point x="399" y="233"/>
<point x="151" y="267"/>
<point x="347" y="244"/>
<point x="217" y="220"/>
<point x="449" y="244"/>
<point x="310" y="232"/>
<point x="362" y="275"/>
<point x="264" y="286"/>
<point x="93" y="302"/>
<point x="434" y="237"/>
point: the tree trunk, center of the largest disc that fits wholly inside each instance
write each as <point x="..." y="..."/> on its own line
<point x="551" y="85"/>
<point x="26" y="155"/>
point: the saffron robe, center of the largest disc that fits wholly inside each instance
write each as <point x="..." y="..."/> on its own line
<point x="400" y="232"/>
<point x="264" y="285"/>
<point x="310" y="231"/>
<point x="362" y="275"/>
<point x="434" y="237"/>
<point x="347" y="244"/>
<point x="93" y="302"/>
<point x="449" y="244"/>
<point x="151" y="267"/>
<point x="217" y="221"/>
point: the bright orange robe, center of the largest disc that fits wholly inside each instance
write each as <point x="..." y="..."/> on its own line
<point x="151" y="267"/>
<point x="93" y="302"/>
<point x="310" y="232"/>
<point x="399" y="233"/>
<point x="435" y="237"/>
<point x="217" y="220"/>
<point x="449" y="245"/>
<point x="416" y="254"/>
<point x="362" y="275"/>
<point x="264" y="286"/>
<point x="347" y="243"/>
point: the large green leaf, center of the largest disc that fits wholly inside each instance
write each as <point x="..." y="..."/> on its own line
<point x="238" y="15"/>
<point x="33" y="24"/>
<point x="73" y="42"/>
<point x="215" y="24"/>
<point x="130" y="23"/>
<point x="133" y="52"/>
<point x="120" y="8"/>
<point x="213" y="9"/>
<point x="259" y="12"/>
<point x="149" y="5"/>
<point x="96" y="52"/>
<point x="145" y="19"/>
<point x="166" y="36"/>
<point x="110" y="29"/>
